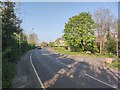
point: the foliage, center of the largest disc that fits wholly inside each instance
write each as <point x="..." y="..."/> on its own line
<point x="9" y="25"/>
<point x="114" y="65"/>
<point x="10" y="42"/>
<point x="63" y="50"/>
<point x="10" y="54"/>
<point x="111" y="45"/>
<point x="67" y="52"/>
<point x="109" y="55"/>
<point x="104" y="22"/>
<point x="79" y="33"/>
<point x="51" y="44"/>
<point x="32" y="39"/>
<point x="8" y="72"/>
<point x="57" y="42"/>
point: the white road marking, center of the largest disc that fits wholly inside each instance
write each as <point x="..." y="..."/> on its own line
<point x="101" y="81"/>
<point x="36" y="73"/>
<point x="64" y="64"/>
<point x="60" y="62"/>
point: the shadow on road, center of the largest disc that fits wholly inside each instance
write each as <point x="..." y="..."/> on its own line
<point x="68" y="76"/>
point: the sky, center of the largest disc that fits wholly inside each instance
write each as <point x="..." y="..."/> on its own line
<point x="47" y="19"/>
<point x="65" y="0"/>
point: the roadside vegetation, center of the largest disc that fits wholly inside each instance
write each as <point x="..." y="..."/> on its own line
<point x="90" y="35"/>
<point x="114" y="65"/>
<point x="67" y="52"/>
<point x="12" y="49"/>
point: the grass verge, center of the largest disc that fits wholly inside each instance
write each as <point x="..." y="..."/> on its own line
<point x="114" y="65"/>
<point x="63" y="50"/>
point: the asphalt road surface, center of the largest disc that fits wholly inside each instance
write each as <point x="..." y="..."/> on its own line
<point x="45" y="69"/>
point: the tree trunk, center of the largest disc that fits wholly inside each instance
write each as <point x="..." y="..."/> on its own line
<point x="100" y="47"/>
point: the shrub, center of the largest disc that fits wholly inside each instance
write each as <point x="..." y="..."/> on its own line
<point x="11" y="55"/>
<point x="110" y="55"/>
<point x="8" y="73"/>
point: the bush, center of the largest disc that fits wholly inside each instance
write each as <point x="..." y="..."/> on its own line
<point x="8" y="73"/>
<point x="110" y="55"/>
<point x="115" y="65"/>
<point x="11" y="55"/>
<point x="111" y="46"/>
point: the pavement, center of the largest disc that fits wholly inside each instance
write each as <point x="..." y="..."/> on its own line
<point x="44" y="68"/>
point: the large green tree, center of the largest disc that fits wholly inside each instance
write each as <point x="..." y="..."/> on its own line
<point x="9" y="25"/>
<point x="79" y="33"/>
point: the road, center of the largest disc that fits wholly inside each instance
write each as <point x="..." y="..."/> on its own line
<point x="46" y="69"/>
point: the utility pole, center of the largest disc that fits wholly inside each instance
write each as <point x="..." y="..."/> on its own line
<point x="117" y="45"/>
<point x="19" y="26"/>
<point x="116" y="36"/>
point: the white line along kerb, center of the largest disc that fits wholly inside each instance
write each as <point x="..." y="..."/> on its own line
<point x="36" y="72"/>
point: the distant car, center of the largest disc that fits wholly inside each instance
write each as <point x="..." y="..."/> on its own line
<point x="38" y="47"/>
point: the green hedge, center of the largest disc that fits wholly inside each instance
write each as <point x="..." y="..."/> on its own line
<point x="8" y="73"/>
<point x="10" y="57"/>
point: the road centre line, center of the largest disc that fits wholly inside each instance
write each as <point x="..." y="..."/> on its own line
<point x="36" y="72"/>
<point x="101" y="81"/>
<point x="63" y="64"/>
<point x="58" y="61"/>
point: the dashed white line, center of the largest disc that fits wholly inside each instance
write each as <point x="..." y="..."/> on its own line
<point x="101" y="81"/>
<point x="36" y="73"/>
<point x="63" y="64"/>
<point x="59" y="62"/>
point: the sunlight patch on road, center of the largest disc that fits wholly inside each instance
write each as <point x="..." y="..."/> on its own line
<point x="50" y="82"/>
<point x="62" y="72"/>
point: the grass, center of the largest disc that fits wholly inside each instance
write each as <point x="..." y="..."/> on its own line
<point x="63" y="50"/>
<point x="114" y="65"/>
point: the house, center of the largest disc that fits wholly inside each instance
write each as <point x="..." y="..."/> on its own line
<point x="59" y="42"/>
<point x="44" y="44"/>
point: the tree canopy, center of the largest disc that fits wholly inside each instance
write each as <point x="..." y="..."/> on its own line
<point x="79" y="33"/>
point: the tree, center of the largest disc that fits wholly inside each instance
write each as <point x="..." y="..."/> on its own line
<point x="10" y="29"/>
<point x="79" y="33"/>
<point x="104" y="21"/>
<point x="9" y="25"/>
<point x="32" y="39"/>
<point x="119" y="34"/>
<point x="51" y="44"/>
